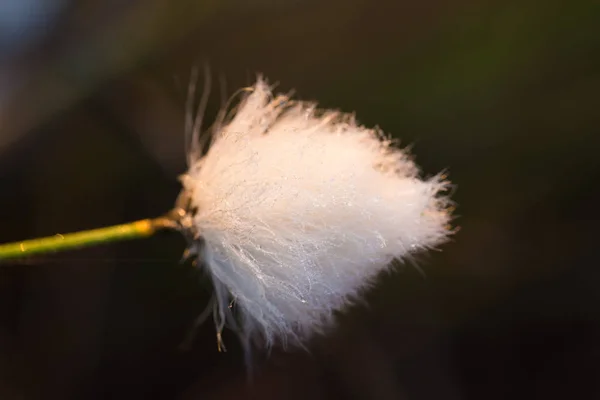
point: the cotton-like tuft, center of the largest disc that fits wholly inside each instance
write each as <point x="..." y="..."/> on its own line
<point x="298" y="210"/>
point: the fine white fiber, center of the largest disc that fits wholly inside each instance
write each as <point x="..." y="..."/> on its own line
<point x="294" y="211"/>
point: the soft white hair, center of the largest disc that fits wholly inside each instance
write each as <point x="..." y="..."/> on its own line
<point x="298" y="210"/>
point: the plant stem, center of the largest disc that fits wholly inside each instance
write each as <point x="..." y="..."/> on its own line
<point x="117" y="233"/>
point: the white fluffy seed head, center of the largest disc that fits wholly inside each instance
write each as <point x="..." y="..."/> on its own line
<point x="300" y="209"/>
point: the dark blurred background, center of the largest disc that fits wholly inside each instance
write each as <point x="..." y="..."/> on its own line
<point x="505" y="94"/>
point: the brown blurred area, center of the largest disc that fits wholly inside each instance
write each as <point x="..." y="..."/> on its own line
<point x="502" y="93"/>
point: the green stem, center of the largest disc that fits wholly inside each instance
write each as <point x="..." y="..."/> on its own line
<point x="117" y="233"/>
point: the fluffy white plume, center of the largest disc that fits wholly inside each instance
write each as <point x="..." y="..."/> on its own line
<point x="300" y="209"/>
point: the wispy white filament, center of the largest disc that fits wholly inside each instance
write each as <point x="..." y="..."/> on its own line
<point x="300" y="209"/>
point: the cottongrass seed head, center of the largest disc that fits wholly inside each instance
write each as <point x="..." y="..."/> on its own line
<point x="294" y="211"/>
